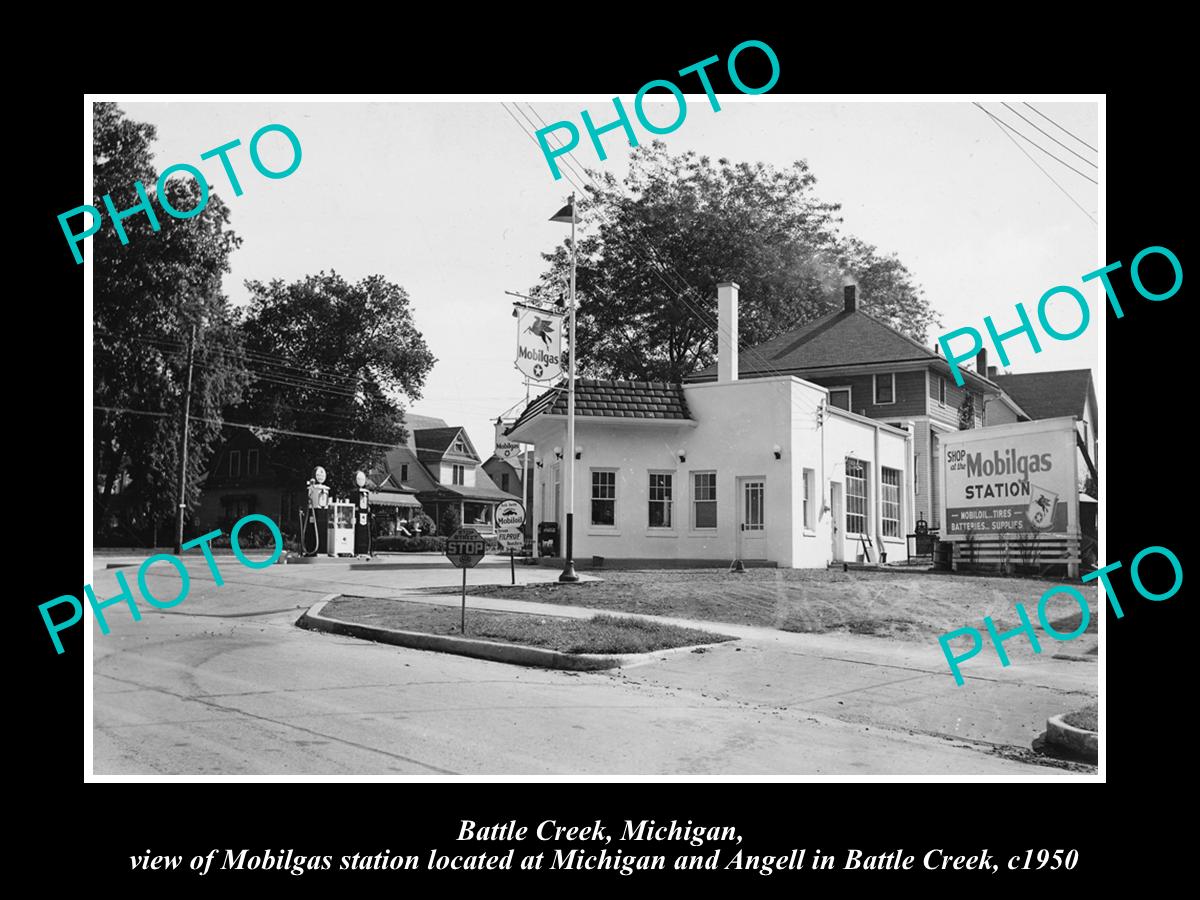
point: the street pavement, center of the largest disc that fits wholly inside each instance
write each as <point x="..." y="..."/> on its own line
<point x="225" y="684"/>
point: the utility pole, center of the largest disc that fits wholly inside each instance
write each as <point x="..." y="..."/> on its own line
<point x="183" y="451"/>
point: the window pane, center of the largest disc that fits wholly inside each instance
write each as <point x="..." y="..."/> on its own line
<point x="883" y="388"/>
<point x="840" y="399"/>
<point x="706" y="514"/>
<point x="856" y="496"/>
<point x="602" y="512"/>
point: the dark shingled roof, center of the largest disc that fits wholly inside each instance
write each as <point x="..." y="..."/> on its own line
<point x="1048" y="395"/>
<point x="612" y="399"/>
<point x="435" y="438"/>
<point x="838" y="339"/>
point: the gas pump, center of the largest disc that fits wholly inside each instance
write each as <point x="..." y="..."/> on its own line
<point x="315" y="540"/>
<point x="362" y="516"/>
<point x="341" y="528"/>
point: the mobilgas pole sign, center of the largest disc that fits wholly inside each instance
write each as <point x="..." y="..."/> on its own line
<point x="1008" y="479"/>
<point x="539" y="344"/>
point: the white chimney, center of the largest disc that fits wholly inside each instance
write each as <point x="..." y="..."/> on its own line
<point x="727" y="338"/>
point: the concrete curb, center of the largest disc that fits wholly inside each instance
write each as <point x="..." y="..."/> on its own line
<point x="496" y="651"/>
<point x="1086" y="743"/>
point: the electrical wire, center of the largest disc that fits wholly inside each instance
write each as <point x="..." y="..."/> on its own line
<point x="223" y="424"/>
<point x="1043" y="171"/>
<point x="1059" y="127"/>
<point x="1036" y="144"/>
<point x="1049" y="135"/>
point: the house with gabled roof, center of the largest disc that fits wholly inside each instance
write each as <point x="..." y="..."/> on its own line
<point x="872" y="370"/>
<point x="435" y="469"/>
<point x="1051" y="395"/>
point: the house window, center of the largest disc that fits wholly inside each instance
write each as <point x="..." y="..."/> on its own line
<point x="856" y="496"/>
<point x="504" y="482"/>
<point x="840" y="397"/>
<point x="604" y="497"/>
<point x="885" y="388"/>
<point x="704" y="499"/>
<point x="660" y="499"/>
<point x="941" y="388"/>
<point x="890" y="486"/>
<point x="477" y="514"/>
<point x="235" y="463"/>
<point x="459" y="447"/>
<point x="456" y="474"/>
<point x="807" y="510"/>
<point x="404" y="472"/>
<point x="251" y="462"/>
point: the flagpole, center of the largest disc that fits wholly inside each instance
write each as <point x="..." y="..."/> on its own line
<point x="568" y="572"/>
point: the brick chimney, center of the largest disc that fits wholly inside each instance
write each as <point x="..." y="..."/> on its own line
<point x="727" y="336"/>
<point x="991" y="373"/>
<point x="981" y="362"/>
<point x="849" y="294"/>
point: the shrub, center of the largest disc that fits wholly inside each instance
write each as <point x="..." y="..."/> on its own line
<point x="450" y="522"/>
<point x="400" y="544"/>
<point x="424" y="522"/>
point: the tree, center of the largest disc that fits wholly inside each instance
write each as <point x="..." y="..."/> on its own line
<point x="148" y="294"/>
<point x="966" y="412"/>
<point x="677" y="226"/>
<point x="331" y="359"/>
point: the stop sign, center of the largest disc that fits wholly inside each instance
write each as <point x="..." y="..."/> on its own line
<point x="465" y="548"/>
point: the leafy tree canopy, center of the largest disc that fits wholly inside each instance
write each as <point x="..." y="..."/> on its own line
<point x="331" y="358"/>
<point x="660" y="241"/>
<point x="148" y="294"/>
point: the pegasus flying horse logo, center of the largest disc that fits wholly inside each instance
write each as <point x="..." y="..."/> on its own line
<point x="542" y="328"/>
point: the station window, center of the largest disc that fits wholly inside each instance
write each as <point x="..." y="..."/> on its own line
<point x="660" y="499"/>
<point x="604" y="497"/>
<point x="890" y="486"/>
<point x="704" y="500"/>
<point x="856" y="496"/>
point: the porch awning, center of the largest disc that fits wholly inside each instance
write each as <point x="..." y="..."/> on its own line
<point x="384" y="499"/>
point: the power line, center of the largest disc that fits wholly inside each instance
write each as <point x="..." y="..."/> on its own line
<point x="1043" y="171"/>
<point x="235" y="353"/>
<point x="1036" y="144"/>
<point x="567" y="174"/>
<point x="568" y="157"/>
<point x="1060" y="128"/>
<point x="223" y="423"/>
<point x="1049" y="135"/>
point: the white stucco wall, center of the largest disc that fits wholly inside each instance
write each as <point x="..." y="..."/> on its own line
<point x="736" y="427"/>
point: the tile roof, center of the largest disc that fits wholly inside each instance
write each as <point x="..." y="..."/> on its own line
<point x="838" y="339"/>
<point x="1048" y="395"/>
<point x="599" y="398"/>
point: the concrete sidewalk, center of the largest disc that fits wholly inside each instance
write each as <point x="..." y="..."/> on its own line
<point x="856" y="678"/>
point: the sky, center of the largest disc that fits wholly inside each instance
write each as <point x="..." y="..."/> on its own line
<point x="451" y="200"/>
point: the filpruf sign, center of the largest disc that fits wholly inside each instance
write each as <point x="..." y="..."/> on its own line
<point x="539" y="344"/>
<point x="1010" y="479"/>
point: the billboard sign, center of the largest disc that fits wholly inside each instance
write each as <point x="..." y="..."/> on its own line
<point x="1010" y="479"/>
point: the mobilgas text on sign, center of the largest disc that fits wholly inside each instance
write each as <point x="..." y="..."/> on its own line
<point x="539" y="344"/>
<point x="1010" y="478"/>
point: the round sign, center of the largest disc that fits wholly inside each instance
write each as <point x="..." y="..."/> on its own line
<point x="510" y="514"/>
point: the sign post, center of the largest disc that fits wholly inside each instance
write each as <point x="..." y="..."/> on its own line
<point x="510" y="516"/>
<point x="465" y="548"/>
